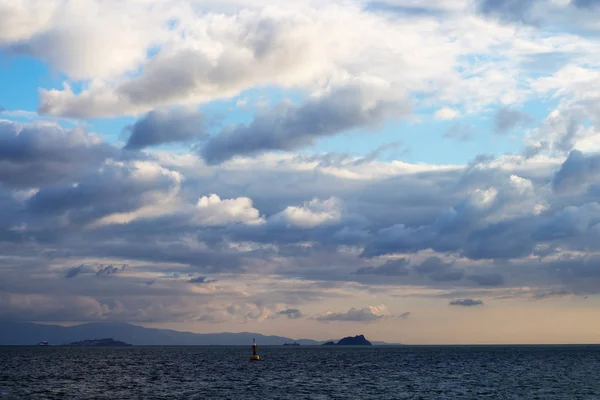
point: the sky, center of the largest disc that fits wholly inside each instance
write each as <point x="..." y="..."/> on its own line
<point x="418" y="171"/>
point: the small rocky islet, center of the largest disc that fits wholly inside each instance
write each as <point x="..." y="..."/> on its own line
<point x="358" y="340"/>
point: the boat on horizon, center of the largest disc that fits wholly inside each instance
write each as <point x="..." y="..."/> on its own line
<point x="43" y="343"/>
<point x="292" y="344"/>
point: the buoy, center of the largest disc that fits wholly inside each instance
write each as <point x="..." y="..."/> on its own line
<point x="254" y="356"/>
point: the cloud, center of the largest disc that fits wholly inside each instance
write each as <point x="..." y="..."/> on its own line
<point x="110" y="270"/>
<point x="577" y="173"/>
<point x="160" y="127"/>
<point x="75" y="271"/>
<point x="466" y="303"/>
<point x="487" y="279"/>
<point x="311" y="214"/>
<point x="552" y="294"/>
<point x="446" y="113"/>
<point x="212" y="211"/>
<point x="460" y="132"/>
<point x="61" y="33"/>
<point x="507" y="10"/>
<point x="117" y="193"/>
<point x="44" y="153"/>
<point x="222" y="54"/>
<point x="404" y="315"/>
<point x="585" y="3"/>
<point x="97" y="270"/>
<point x="506" y="119"/>
<point x="368" y="314"/>
<point x="358" y="104"/>
<point x="291" y="313"/>
<point x="201" y="279"/>
<point x="390" y="268"/>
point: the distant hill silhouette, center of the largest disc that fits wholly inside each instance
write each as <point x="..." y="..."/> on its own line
<point x="359" y="340"/>
<point x="26" y="333"/>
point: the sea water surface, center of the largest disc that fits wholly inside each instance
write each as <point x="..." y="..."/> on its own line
<point x="463" y="372"/>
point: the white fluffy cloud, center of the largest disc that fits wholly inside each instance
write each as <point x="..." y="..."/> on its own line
<point x="211" y="210"/>
<point x="312" y="214"/>
<point x="447" y="113"/>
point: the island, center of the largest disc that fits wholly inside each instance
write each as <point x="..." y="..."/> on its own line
<point x="107" y="342"/>
<point x="358" y="340"/>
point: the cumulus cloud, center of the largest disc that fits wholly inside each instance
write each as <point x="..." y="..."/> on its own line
<point x="212" y="211"/>
<point x="117" y="193"/>
<point x="44" y="153"/>
<point x="466" y="303"/>
<point x="291" y="313"/>
<point x="63" y="32"/>
<point x="223" y="54"/>
<point x="367" y="314"/>
<point x="287" y="126"/>
<point x="311" y="214"/>
<point x="160" y="127"/>
<point x="577" y="173"/>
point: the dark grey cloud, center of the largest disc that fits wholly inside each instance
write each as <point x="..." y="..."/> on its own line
<point x="44" y="153"/>
<point x="288" y="126"/>
<point x="291" y="313"/>
<point x="82" y="269"/>
<point x="110" y="270"/>
<point x="404" y="315"/>
<point x="97" y="270"/>
<point x="506" y="119"/>
<point x="430" y="266"/>
<point x="390" y="268"/>
<point x="201" y="279"/>
<point x="166" y="126"/>
<point x="438" y="270"/>
<point x="466" y="303"/>
<point x="577" y="172"/>
<point x="460" y="132"/>
<point x="115" y="188"/>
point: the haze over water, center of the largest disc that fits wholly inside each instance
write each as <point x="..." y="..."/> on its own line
<point x="436" y="372"/>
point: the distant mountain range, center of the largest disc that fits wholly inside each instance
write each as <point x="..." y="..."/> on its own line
<point x="26" y="333"/>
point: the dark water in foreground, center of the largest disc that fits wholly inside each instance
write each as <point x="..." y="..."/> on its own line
<point x="301" y="373"/>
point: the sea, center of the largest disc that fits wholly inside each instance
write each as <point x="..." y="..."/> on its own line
<point x="303" y="372"/>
